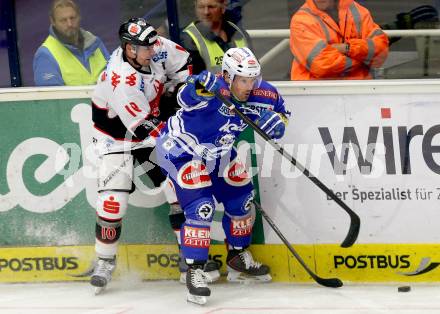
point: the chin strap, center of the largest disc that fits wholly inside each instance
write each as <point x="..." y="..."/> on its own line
<point x="135" y="64"/>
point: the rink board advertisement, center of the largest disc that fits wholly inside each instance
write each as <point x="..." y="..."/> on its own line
<point x="361" y="263"/>
<point x="48" y="179"/>
<point x="380" y="154"/>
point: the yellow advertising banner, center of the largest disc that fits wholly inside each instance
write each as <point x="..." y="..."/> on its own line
<point x="360" y="263"/>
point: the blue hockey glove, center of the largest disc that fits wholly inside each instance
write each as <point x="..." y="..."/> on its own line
<point x="272" y="123"/>
<point x="209" y="81"/>
<point x="203" y="86"/>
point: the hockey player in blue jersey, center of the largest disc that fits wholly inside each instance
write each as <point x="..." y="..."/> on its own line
<point x="196" y="151"/>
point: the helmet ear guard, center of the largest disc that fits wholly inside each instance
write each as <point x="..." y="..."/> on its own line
<point x="242" y="62"/>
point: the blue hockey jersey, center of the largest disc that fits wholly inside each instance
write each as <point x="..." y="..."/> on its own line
<point x="208" y="129"/>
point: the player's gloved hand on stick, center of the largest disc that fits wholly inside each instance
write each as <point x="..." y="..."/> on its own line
<point x="203" y="86"/>
<point x="272" y="123"/>
<point x="150" y="127"/>
<point x="209" y="81"/>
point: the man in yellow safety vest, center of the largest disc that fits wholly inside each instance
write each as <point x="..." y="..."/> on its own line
<point x="208" y="38"/>
<point x="69" y="55"/>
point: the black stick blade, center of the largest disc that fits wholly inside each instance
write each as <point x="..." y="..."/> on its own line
<point x="329" y="282"/>
<point x="326" y="282"/>
<point x="353" y="232"/>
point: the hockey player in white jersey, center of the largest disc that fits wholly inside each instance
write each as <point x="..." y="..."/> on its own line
<point x="196" y="151"/>
<point x="129" y="104"/>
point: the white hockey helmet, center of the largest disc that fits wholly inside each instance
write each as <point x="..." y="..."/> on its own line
<point x="242" y="62"/>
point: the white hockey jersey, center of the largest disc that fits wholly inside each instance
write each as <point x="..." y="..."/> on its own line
<point x="124" y="97"/>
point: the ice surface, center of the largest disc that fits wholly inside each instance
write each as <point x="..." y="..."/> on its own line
<point x="133" y="296"/>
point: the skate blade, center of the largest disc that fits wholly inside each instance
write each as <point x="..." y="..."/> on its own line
<point x="196" y="299"/>
<point x="98" y="284"/>
<point x="182" y="279"/>
<point x="212" y="276"/>
<point x="244" y="278"/>
<point x="99" y="290"/>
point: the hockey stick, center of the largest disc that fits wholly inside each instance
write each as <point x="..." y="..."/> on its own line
<point x="326" y="282"/>
<point x="355" y="221"/>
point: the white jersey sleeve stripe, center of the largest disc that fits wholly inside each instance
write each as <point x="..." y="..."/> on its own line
<point x="268" y="122"/>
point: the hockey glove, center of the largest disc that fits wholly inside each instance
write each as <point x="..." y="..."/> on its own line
<point x="209" y="81"/>
<point x="272" y="123"/>
<point x="168" y="105"/>
<point x="150" y="127"/>
<point x="203" y="86"/>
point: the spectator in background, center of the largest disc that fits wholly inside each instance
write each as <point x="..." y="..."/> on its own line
<point x="233" y="11"/>
<point x="333" y="39"/>
<point x="408" y="20"/>
<point x="207" y="38"/>
<point x="69" y="55"/>
<point x="424" y="16"/>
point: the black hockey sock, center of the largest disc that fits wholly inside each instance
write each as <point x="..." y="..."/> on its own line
<point x="196" y="265"/>
<point x="108" y="258"/>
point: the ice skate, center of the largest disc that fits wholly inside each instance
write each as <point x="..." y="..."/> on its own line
<point x="242" y="268"/>
<point x="102" y="274"/>
<point x="211" y="269"/>
<point x="198" y="290"/>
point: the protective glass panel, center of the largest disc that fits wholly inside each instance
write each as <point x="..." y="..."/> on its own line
<point x="5" y="80"/>
<point x="409" y="57"/>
